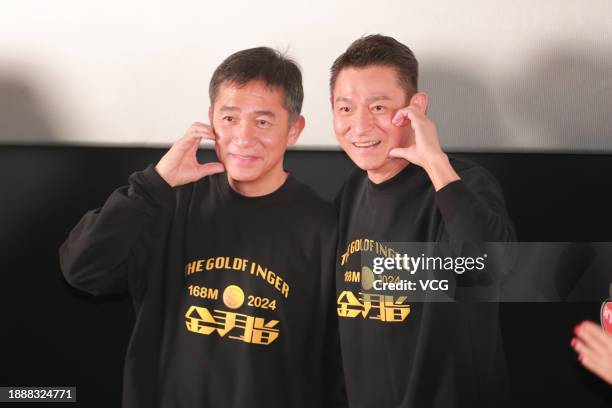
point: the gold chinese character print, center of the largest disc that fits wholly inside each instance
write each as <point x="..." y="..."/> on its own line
<point x="233" y="310"/>
<point x="235" y="326"/>
<point x="372" y="306"/>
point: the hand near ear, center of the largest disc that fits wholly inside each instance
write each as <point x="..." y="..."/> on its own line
<point x="424" y="147"/>
<point x="180" y="164"/>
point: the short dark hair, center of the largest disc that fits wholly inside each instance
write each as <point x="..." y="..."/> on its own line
<point x="262" y="63"/>
<point x="381" y="50"/>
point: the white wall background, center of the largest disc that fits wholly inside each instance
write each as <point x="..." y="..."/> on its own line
<point x="521" y="75"/>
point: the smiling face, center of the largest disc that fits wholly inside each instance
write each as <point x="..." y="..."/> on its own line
<point x="253" y="132"/>
<point x="364" y="102"/>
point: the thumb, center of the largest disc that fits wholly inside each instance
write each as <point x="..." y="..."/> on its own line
<point x="210" y="169"/>
<point x="398" y="152"/>
<point x="407" y="153"/>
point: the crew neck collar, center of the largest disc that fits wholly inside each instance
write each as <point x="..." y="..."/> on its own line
<point x="282" y="191"/>
<point x="399" y="178"/>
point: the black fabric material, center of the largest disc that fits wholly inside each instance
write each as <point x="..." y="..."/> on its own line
<point x="270" y="349"/>
<point x="439" y="354"/>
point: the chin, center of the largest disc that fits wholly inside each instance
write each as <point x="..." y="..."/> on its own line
<point x="367" y="164"/>
<point x="242" y="174"/>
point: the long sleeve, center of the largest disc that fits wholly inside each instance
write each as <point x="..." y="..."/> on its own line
<point x="106" y="251"/>
<point x="473" y="209"/>
<point x="476" y="223"/>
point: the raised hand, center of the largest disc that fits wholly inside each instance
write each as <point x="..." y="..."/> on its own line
<point x="424" y="148"/>
<point x="180" y="164"/>
<point x="425" y="144"/>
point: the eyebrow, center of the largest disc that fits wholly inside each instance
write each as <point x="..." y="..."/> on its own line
<point x="369" y="99"/>
<point x="265" y="113"/>
<point x="379" y="98"/>
<point x="257" y="112"/>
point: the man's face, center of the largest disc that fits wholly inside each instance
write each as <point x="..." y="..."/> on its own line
<point x="253" y="131"/>
<point x="364" y="102"/>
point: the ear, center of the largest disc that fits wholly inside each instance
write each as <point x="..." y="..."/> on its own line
<point x="419" y="101"/>
<point x="295" y="130"/>
<point x="210" y="115"/>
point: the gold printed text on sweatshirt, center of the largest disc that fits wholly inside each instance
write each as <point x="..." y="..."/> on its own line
<point x="364" y="305"/>
<point x="222" y="318"/>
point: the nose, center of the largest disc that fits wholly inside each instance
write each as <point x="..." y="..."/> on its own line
<point x="244" y="134"/>
<point x="363" y="122"/>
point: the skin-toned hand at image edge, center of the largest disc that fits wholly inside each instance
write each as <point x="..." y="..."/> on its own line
<point x="594" y="348"/>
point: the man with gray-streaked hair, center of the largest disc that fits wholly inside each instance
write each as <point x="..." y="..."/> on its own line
<point x="230" y="274"/>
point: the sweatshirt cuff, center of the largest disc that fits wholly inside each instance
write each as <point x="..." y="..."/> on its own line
<point x="158" y="188"/>
<point x="453" y="199"/>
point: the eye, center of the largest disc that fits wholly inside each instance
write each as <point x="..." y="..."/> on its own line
<point x="344" y="109"/>
<point x="229" y="119"/>
<point x="378" y="108"/>
<point x="263" y="123"/>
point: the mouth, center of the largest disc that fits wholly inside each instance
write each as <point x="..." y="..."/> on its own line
<point x="243" y="158"/>
<point x="366" y="144"/>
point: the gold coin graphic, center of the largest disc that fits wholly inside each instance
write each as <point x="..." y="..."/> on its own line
<point x="367" y="278"/>
<point x="233" y="297"/>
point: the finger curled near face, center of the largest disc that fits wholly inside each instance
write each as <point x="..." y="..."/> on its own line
<point x="201" y="130"/>
<point x="196" y="128"/>
<point x="401" y="117"/>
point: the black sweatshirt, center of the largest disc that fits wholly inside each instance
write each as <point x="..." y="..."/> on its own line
<point x="233" y="295"/>
<point x="418" y="354"/>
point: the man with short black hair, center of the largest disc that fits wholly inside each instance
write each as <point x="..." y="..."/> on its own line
<point x="398" y="352"/>
<point x="231" y="275"/>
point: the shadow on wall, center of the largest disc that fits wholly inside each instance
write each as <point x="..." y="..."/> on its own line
<point x="463" y="109"/>
<point x="567" y="99"/>
<point x="560" y="103"/>
<point x="22" y="121"/>
<point x="22" y="114"/>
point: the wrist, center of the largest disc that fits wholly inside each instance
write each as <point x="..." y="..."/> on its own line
<point x="163" y="174"/>
<point x="440" y="171"/>
<point x="157" y="188"/>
